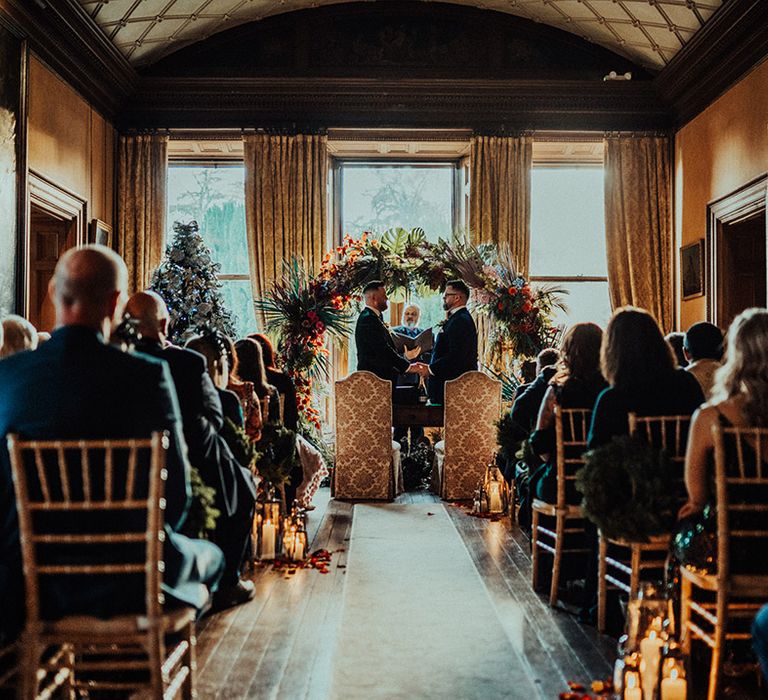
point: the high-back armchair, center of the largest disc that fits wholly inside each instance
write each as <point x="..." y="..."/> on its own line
<point x="472" y="407"/>
<point x="365" y="460"/>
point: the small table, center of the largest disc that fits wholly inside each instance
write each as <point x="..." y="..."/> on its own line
<point x="421" y="415"/>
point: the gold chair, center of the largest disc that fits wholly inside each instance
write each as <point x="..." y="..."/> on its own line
<point x="740" y="527"/>
<point x="8" y="655"/>
<point x="621" y="563"/>
<point x="472" y="407"/>
<point x="113" y="490"/>
<point x="365" y="457"/>
<point x="571" y="430"/>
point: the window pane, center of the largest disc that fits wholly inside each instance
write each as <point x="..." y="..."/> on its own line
<point x="567" y="222"/>
<point x="238" y="298"/>
<point x="215" y="198"/>
<point x="586" y="301"/>
<point x="380" y="197"/>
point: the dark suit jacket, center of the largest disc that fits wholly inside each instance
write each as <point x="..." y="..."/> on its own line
<point x="455" y="352"/>
<point x="75" y="386"/>
<point x="203" y="420"/>
<point x="375" y="348"/>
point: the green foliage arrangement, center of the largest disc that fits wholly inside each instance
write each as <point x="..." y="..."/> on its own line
<point x="277" y="454"/>
<point x="508" y="437"/>
<point x="628" y="489"/>
<point x="244" y="450"/>
<point x="202" y="515"/>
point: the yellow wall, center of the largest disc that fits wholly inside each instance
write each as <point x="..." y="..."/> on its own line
<point x="718" y="152"/>
<point x="70" y="143"/>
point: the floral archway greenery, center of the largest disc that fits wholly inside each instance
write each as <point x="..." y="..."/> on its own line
<point x="301" y="308"/>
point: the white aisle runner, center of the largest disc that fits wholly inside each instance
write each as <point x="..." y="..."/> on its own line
<point x="417" y="621"/>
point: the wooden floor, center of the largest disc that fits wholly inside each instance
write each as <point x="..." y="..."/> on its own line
<point x="281" y="644"/>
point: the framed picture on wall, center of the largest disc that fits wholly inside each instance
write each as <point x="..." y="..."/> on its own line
<point x="692" y="269"/>
<point x="100" y="233"/>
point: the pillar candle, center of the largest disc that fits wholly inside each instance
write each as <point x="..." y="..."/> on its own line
<point x="495" y="498"/>
<point x="674" y="688"/>
<point x="268" y="540"/>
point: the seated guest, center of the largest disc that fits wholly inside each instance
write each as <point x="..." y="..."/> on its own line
<point x="576" y="385"/>
<point x="280" y="380"/>
<point x="640" y="368"/>
<point x="202" y="419"/>
<point x="250" y="368"/>
<point x="739" y="399"/>
<point x="703" y="348"/>
<point x="77" y="386"/>
<point x="676" y="341"/>
<point x="249" y="401"/>
<point x="760" y="639"/>
<point x="19" y="335"/>
<point x="525" y="409"/>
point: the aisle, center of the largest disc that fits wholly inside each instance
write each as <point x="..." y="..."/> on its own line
<point x="417" y="621"/>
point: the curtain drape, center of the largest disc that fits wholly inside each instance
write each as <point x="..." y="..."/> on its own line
<point x="500" y="193"/>
<point x="142" y="172"/>
<point x="286" y="182"/>
<point x="638" y="192"/>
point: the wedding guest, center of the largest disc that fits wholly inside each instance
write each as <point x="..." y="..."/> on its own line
<point x="525" y="408"/>
<point x="455" y="350"/>
<point x="203" y="419"/>
<point x="19" y="335"/>
<point x="375" y="347"/>
<point x="76" y="386"/>
<point x="640" y="369"/>
<point x="576" y="384"/>
<point x="280" y="380"/>
<point x="760" y="639"/>
<point x="739" y="399"/>
<point x="249" y="401"/>
<point x="703" y="348"/>
<point x="250" y="368"/>
<point x="675" y="341"/>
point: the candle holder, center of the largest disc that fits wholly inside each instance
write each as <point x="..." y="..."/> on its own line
<point x="268" y="526"/>
<point x="650" y="608"/>
<point x="295" y="534"/>
<point x="492" y="495"/>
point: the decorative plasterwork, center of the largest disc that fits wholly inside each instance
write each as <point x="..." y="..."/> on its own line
<point x="648" y="32"/>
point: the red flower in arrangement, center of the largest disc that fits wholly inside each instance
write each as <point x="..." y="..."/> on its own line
<point x="527" y="306"/>
<point x="512" y="291"/>
<point x="500" y="306"/>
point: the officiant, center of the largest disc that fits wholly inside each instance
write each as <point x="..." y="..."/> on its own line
<point x="410" y="327"/>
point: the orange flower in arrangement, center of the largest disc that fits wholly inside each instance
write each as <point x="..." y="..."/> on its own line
<point x="512" y="291"/>
<point x="500" y="306"/>
<point x="527" y="306"/>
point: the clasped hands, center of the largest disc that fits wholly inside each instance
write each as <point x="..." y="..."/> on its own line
<point x="419" y="368"/>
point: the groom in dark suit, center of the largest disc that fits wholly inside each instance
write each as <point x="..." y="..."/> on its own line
<point x="375" y="348"/>
<point x="455" y="350"/>
<point x="77" y="386"/>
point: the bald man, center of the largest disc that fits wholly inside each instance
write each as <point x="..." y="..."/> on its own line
<point x="203" y="419"/>
<point x="77" y="386"/>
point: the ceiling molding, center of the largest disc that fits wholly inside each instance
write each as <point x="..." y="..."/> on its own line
<point x="317" y="103"/>
<point x="734" y="41"/>
<point x="65" y="37"/>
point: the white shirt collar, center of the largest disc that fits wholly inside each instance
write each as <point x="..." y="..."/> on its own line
<point x="456" y="308"/>
<point x="376" y="311"/>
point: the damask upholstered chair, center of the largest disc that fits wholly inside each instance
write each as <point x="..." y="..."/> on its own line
<point x="367" y="463"/>
<point x="472" y="407"/>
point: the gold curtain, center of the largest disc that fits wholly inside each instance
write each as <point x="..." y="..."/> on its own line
<point x="500" y="194"/>
<point x="142" y="171"/>
<point x="286" y="182"/>
<point x="638" y="192"/>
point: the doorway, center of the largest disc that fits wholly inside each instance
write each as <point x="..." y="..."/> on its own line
<point x="737" y="256"/>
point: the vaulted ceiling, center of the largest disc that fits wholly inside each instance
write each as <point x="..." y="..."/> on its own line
<point x="648" y="32"/>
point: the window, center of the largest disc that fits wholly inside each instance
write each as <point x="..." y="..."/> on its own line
<point x="375" y="197"/>
<point x="568" y="239"/>
<point x="213" y="195"/>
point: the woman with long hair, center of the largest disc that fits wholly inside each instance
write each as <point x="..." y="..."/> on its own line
<point x="739" y="399"/>
<point x="280" y="380"/>
<point x="250" y="368"/>
<point x="639" y="366"/>
<point x="577" y="384"/>
<point x="249" y="401"/>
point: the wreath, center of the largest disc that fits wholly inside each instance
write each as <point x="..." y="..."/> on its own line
<point x="302" y="309"/>
<point x="628" y="489"/>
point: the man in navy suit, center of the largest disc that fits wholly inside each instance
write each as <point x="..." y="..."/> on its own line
<point x="77" y="386"/>
<point x="375" y="347"/>
<point x="203" y="420"/>
<point x="455" y="350"/>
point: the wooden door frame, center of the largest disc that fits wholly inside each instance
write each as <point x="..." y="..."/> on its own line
<point x="737" y="206"/>
<point x="45" y="195"/>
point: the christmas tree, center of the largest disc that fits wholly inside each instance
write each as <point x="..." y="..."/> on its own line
<point x="187" y="280"/>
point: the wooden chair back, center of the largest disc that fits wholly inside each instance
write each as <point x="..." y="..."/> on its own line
<point x="472" y="407"/>
<point x="83" y="501"/>
<point x="363" y="437"/>
<point x="571" y="432"/>
<point x="668" y="433"/>
<point x="741" y="480"/>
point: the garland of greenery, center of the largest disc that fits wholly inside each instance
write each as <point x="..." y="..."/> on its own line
<point x="202" y="513"/>
<point x="301" y="309"/>
<point x="628" y="489"/>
